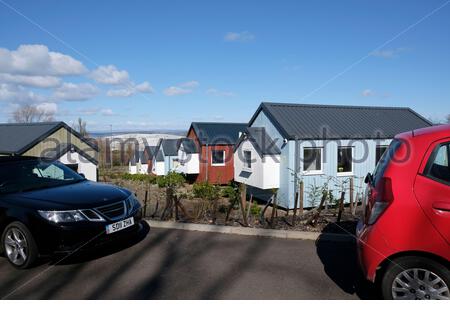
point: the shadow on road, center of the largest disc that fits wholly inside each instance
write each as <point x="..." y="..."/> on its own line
<point x="339" y="260"/>
<point x="103" y="251"/>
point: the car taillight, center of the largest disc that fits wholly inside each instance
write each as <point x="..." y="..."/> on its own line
<point x="382" y="197"/>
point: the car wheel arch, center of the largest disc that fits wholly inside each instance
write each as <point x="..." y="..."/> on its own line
<point x="423" y="254"/>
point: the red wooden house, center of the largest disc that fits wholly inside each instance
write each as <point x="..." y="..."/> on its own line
<point x="216" y="143"/>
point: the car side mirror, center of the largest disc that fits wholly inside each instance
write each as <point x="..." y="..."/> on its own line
<point x="82" y="174"/>
<point x="369" y="178"/>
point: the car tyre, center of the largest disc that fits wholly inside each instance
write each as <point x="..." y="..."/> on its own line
<point x="19" y="246"/>
<point x="415" y="277"/>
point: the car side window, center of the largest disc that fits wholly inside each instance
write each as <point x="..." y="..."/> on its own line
<point x="438" y="167"/>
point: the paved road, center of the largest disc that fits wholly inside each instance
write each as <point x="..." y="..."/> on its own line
<point x="175" y="264"/>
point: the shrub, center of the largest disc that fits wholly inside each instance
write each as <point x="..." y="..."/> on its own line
<point x="206" y="191"/>
<point x="171" y="180"/>
<point x="255" y="209"/>
<point x="139" y="177"/>
<point x="231" y="192"/>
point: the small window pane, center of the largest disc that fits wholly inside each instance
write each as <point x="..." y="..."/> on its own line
<point x="379" y="153"/>
<point x="345" y="159"/>
<point x="312" y="159"/>
<point x="218" y="157"/>
<point x="440" y="169"/>
<point x="247" y="159"/>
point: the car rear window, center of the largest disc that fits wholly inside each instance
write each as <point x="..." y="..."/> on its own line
<point x="438" y="166"/>
<point x="385" y="160"/>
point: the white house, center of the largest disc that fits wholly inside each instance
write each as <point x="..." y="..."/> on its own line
<point x="54" y="140"/>
<point x="315" y="144"/>
<point x="257" y="160"/>
<point x="141" y="161"/>
<point x="165" y="158"/>
<point x="179" y="155"/>
<point x="188" y="157"/>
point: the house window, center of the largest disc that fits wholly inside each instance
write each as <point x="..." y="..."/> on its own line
<point x="247" y="159"/>
<point x="345" y="162"/>
<point x="379" y="153"/>
<point x="218" y="157"/>
<point x="312" y="160"/>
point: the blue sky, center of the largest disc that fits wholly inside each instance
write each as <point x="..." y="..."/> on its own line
<point x="162" y="64"/>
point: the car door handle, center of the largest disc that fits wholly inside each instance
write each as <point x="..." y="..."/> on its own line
<point x="442" y="206"/>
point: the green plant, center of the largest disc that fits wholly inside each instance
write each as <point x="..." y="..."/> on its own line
<point x="172" y="180"/>
<point x="255" y="209"/>
<point x="139" y="177"/>
<point x="231" y="192"/>
<point x="206" y="191"/>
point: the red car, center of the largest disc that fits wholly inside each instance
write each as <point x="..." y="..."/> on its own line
<point x="404" y="235"/>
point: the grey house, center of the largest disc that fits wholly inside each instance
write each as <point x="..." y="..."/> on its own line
<point x="55" y="140"/>
<point x="318" y="144"/>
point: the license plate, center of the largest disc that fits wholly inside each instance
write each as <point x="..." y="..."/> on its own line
<point x="119" y="225"/>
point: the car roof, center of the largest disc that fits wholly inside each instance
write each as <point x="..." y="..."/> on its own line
<point x="9" y="159"/>
<point x="430" y="133"/>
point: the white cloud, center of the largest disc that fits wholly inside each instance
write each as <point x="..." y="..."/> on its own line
<point x="190" y="84"/>
<point x="110" y="75"/>
<point x="107" y="112"/>
<point x="181" y="89"/>
<point x="219" y="93"/>
<point x="31" y="81"/>
<point x="18" y="95"/>
<point x="367" y="93"/>
<point x="176" y="91"/>
<point x="75" y="91"/>
<point x="38" y="60"/>
<point x="130" y="90"/>
<point x="388" y="53"/>
<point x="243" y="36"/>
<point x="49" y="108"/>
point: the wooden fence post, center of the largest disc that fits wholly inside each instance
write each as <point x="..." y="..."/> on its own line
<point x="301" y="201"/>
<point x="352" y="188"/>
<point x="341" y="206"/>
<point x="274" y="209"/>
<point x="244" y="194"/>
<point x="145" y="203"/>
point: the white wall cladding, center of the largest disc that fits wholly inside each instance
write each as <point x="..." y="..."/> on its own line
<point x="189" y="163"/>
<point x="364" y="152"/>
<point x="143" y="169"/>
<point x="132" y="169"/>
<point x="158" y="168"/>
<point x="85" y="167"/>
<point x="264" y="172"/>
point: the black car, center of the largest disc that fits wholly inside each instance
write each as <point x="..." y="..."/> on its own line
<point x="47" y="208"/>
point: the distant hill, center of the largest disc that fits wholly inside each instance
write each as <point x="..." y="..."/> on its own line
<point x="101" y="134"/>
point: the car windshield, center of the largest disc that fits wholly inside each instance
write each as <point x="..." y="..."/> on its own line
<point x="30" y="175"/>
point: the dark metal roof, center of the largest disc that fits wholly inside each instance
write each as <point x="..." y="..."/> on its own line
<point x="170" y="146"/>
<point x="307" y="121"/>
<point x="189" y="145"/>
<point x="260" y="140"/>
<point x="149" y="151"/>
<point x="218" y="133"/>
<point x="16" y="138"/>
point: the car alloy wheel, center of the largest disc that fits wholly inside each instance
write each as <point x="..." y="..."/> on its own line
<point x="16" y="246"/>
<point x="419" y="284"/>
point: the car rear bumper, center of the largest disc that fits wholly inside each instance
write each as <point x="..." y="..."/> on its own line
<point x="368" y="257"/>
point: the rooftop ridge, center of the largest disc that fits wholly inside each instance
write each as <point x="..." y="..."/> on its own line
<point x="324" y="106"/>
